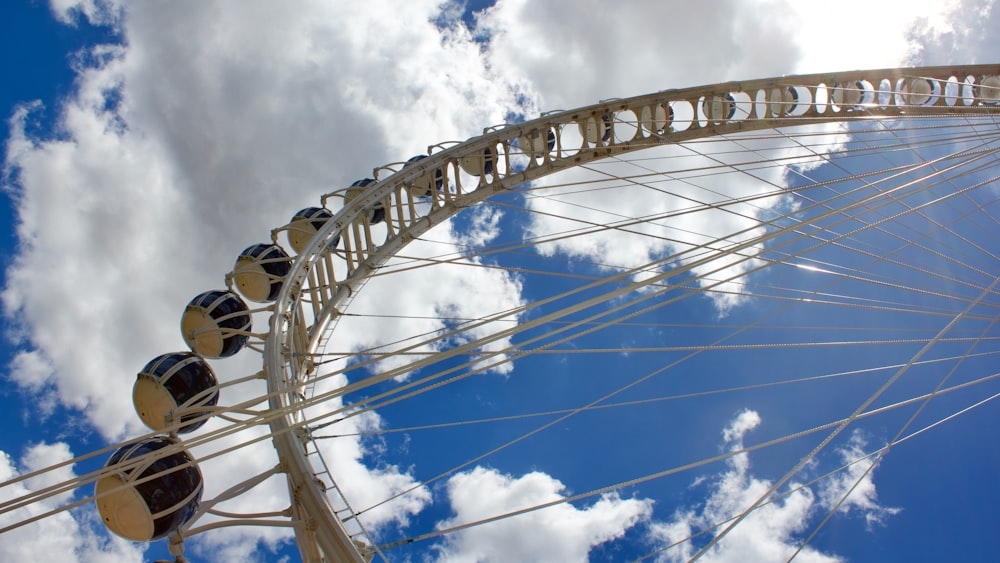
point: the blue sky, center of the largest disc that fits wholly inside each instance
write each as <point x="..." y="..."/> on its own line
<point x="142" y="170"/>
<point x="37" y="53"/>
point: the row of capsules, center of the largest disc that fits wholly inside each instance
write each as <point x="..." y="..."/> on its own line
<point x="145" y="495"/>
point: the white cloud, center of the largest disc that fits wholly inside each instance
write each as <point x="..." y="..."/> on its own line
<point x="97" y="12"/>
<point x="964" y="33"/>
<point x="671" y="193"/>
<point x="774" y="531"/>
<point x="31" y="369"/>
<point x="854" y="488"/>
<point x="431" y="300"/>
<point x="593" y="50"/>
<point x="365" y="476"/>
<point x="744" y="422"/>
<point x="559" y="533"/>
<point x="233" y="545"/>
<point x="859" y="34"/>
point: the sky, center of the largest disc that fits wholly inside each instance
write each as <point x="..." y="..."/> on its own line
<point x="147" y="144"/>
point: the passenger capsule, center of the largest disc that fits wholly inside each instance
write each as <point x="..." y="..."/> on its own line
<point x="376" y="213"/>
<point x="593" y="129"/>
<point x="422" y="187"/>
<point x="783" y="101"/>
<point x="535" y="145"/>
<point x="849" y="96"/>
<point x="480" y="164"/>
<point x="655" y="119"/>
<point x="720" y="108"/>
<point x="150" y="510"/>
<point x="260" y="271"/>
<point x="170" y="381"/>
<point x="215" y="324"/>
<point x="304" y="226"/>
<point x="989" y="91"/>
<point x="922" y="91"/>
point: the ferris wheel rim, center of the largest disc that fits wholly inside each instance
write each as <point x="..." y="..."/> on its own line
<point x="711" y="100"/>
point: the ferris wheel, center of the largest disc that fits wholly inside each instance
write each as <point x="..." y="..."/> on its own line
<point x="824" y="246"/>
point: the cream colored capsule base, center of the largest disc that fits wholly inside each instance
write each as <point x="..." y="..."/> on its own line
<point x="123" y="509"/>
<point x="152" y="402"/>
<point x="251" y="279"/>
<point x="201" y="333"/>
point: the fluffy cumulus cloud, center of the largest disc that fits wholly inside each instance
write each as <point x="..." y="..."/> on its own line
<point x="613" y="50"/>
<point x="775" y="530"/>
<point x="606" y="51"/>
<point x="430" y="293"/>
<point x="68" y="536"/>
<point x="668" y="239"/>
<point x="857" y="34"/>
<point x="94" y="11"/>
<point x="767" y="534"/>
<point x="218" y="139"/>
<point x="853" y="490"/>
<point x="370" y="477"/>
<point x="562" y="532"/>
<point x="963" y="34"/>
